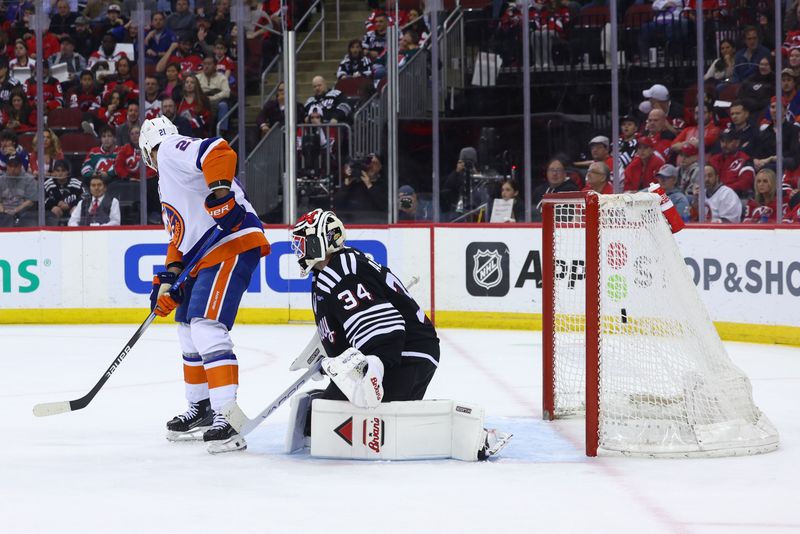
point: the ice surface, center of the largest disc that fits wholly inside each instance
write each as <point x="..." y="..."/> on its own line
<point x="108" y="468"/>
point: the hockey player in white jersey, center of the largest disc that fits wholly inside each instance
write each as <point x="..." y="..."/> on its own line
<point x="384" y="352"/>
<point x="198" y="193"/>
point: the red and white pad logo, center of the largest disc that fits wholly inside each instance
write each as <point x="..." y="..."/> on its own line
<point x="373" y="433"/>
<point x="345" y="431"/>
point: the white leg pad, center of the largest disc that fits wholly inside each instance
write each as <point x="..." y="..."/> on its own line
<point x="298" y="414"/>
<point x="411" y="430"/>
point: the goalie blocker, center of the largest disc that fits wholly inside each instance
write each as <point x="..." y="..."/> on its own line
<point x="403" y="430"/>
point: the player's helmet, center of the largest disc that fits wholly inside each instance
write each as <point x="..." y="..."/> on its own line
<point x="152" y="133"/>
<point x="316" y="234"/>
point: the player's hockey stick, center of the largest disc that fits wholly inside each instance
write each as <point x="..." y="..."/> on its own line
<point x="53" y="408"/>
<point x="312" y="355"/>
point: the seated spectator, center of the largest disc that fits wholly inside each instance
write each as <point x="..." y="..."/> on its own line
<point x="122" y="82"/>
<point x="721" y="70"/>
<point x="52" y="152"/>
<point x="364" y="194"/>
<point x="747" y="59"/>
<point x="86" y="96"/>
<point x="7" y="84"/>
<point x="722" y="203"/>
<point x="557" y="182"/>
<point x="657" y="129"/>
<point x="759" y="87"/>
<point x="114" y="113"/>
<point x="453" y="197"/>
<point x="183" y="54"/>
<point x="333" y="103"/>
<point x="688" y="166"/>
<point x="408" y="46"/>
<point x="667" y="177"/>
<point x="181" y="19"/>
<point x="658" y="99"/>
<point x="789" y="90"/>
<point x="159" y="39"/>
<point x="51" y="90"/>
<point x="766" y="148"/>
<point x="62" y="22"/>
<point x="689" y="134"/>
<point x="734" y="167"/>
<point x="794" y="61"/>
<point x="509" y="190"/>
<point x="763" y="207"/>
<point x="112" y="20"/>
<point x="548" y="22"/>
<point x="642" y="170"/>
<point x="221" y="23"/>
<point x="20" y="116"/>
<point x="100" y="159"/>
<point x="417" y="23"/>
<point x="76" y="63"/>
<point x="128" y="163"/>
<point x="173" y="85"/>
<point x="21" y="57"/>
<point x="61" y="194"/>
<point x="123" y="131"/>
<point x="410" y="208"/>
<point x="215" y="87"/>
<point x="170" y="110"/>
<point x="374" y="41"/>
<point x="225" y="65"/>
<point x="195" y="106"/>
<point x="740" y="122"/>
<point x="355" y="64"/>
<point x="599" y="147"/>
<point x="9" y="146"/>
<point x="598" y="179"/>
<point x="667" y="26"/>
<point x="314" y="142"/>
<point x="506" y="39"/>
<point x="152" y="98"/>
<point x="18" y="193"/>
<point x="106" y="53"/>
<point x="273" y="112"/>
<point x="98" y="209"/>
<point x="628" y="139"/>
<point x="85" y="40"/>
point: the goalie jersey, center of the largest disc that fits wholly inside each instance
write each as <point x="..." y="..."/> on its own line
<point x="360" y="303"/>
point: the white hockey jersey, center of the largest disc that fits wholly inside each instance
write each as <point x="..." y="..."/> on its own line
<point x="187" y="166"/>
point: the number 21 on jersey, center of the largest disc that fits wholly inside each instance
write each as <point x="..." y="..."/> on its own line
<point x="352" y="301"/>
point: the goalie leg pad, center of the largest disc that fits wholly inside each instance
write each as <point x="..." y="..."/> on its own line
<point x="407" y="430"/>
<point x="300" y="409"/>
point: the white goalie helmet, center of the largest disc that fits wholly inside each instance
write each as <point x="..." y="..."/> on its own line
<point x="152" y="133"/>
<point x="315" y="235"/>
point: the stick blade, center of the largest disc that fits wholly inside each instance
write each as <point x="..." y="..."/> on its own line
<point x="51" y="408"/>
<point x="235" y="416"/>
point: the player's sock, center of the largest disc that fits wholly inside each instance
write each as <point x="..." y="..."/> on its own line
<point x="222" y="437"/>
<point x="190" y="425"/>
<point x="493" y="443"/>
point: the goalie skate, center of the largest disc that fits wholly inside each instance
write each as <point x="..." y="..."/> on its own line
<point x="495" y="442"/>
<point x="190" y="425"/>
<point x="222" y="437"/>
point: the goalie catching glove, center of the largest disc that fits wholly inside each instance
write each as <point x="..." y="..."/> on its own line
<point x="162" y="299"/>
<point x="358" y="376"/>
<point x="227" y="213"/>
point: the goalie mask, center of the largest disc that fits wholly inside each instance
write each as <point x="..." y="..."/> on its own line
<point x="152" y="133"/>
<point x="316" y="234"/>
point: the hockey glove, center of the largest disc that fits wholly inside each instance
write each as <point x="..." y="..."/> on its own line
<point x="227" y="213"/>
<point x="162" y="300"/>
<point x="358" y="376"/>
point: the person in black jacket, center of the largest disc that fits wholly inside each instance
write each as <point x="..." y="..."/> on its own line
<point x="363" y="197"/>
<point x="557" y="182"/>
<point x="355" y="64"/>
<point x="61" y="194"/>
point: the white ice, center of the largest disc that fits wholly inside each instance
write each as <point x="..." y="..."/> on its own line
<point x="108" y="468"/>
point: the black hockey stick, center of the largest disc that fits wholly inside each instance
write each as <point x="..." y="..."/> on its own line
<point x="53" y="408"/>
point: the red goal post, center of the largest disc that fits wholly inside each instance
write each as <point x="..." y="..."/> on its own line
<point x="627" y="342"/>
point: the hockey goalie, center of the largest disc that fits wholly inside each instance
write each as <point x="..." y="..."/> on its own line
<point x="384" y="352"/>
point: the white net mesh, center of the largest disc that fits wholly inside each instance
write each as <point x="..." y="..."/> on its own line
<point x="667" y="386"/>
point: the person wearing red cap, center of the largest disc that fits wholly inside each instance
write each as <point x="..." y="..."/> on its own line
<point x="642" y="170"/>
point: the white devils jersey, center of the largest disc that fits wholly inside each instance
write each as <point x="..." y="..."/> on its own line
<point x="185" y="172"/>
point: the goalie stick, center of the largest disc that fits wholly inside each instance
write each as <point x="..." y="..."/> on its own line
<point x="53" y="408"/>
<point x="312" y="356"/>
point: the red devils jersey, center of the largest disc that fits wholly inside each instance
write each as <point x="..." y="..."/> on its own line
<point x="51" y="90"/>
<point x="735" y="170"/>
<point x="360" y="303"/>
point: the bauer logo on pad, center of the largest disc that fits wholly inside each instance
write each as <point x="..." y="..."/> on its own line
<point x="487" y="269"/>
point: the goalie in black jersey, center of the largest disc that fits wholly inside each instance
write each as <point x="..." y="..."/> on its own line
<point x="382" y="352"/>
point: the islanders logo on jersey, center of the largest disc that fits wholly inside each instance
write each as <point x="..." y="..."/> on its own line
<point x="173" y="224"/>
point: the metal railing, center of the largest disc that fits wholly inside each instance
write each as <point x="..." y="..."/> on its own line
<point x="335" y="146"/>
<point x="415" y="93"/>
<point x="369" y="124"/>
<point x="453" y="54"/>
<point x="319" y="24"/>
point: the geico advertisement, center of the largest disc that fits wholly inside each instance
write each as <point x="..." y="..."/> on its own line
<point x="747" y="276"/>
<point x="30" y="269"/>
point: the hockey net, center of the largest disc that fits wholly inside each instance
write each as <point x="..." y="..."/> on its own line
<point x="628" y="343"/>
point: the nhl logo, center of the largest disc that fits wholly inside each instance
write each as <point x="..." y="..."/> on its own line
<point x="487" y="269"/>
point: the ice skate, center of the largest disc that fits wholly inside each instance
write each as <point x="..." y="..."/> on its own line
<point x="494" y="443"/>
<point x="222" y="437"/>
<point x="189" y="426"/>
